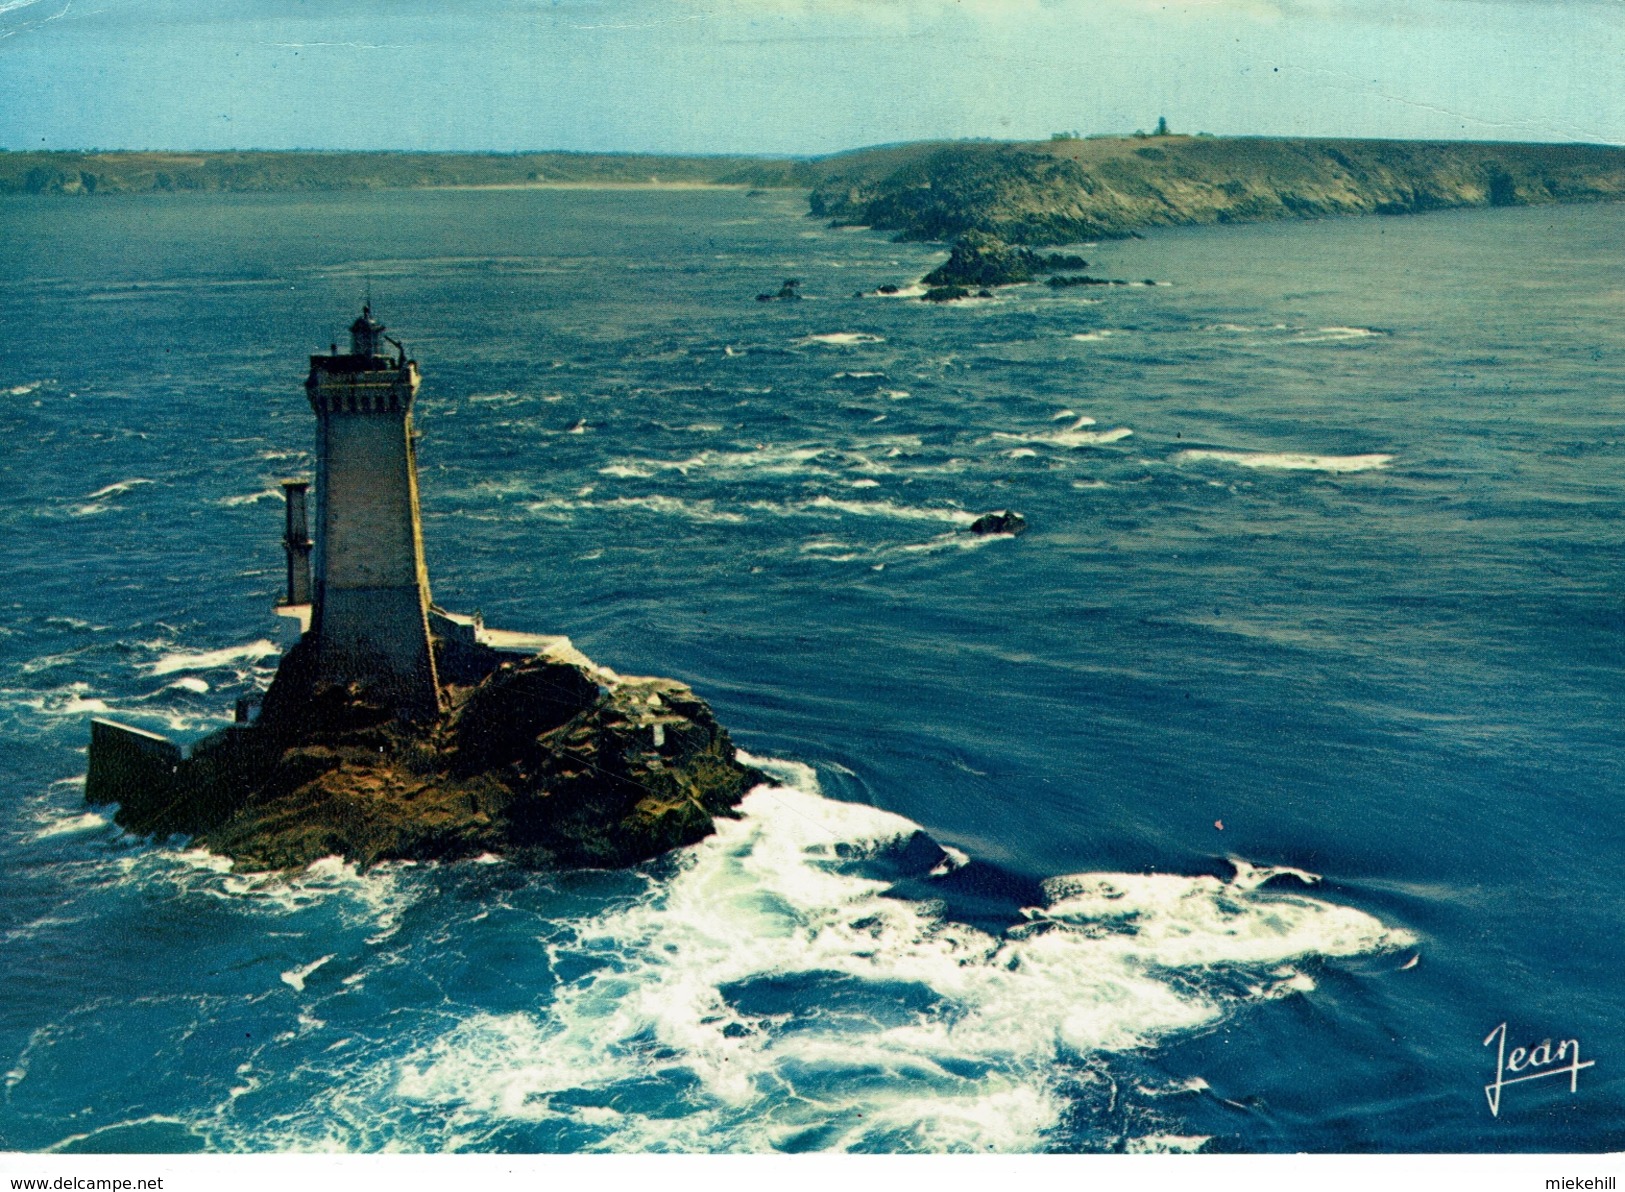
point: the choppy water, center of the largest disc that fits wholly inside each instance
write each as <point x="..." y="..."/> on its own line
<point x="1324" y="549"/>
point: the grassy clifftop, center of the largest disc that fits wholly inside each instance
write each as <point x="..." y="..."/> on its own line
<point x="1066" y="191"/>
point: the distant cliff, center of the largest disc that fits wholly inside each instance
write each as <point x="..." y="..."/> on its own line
<point x="1073" y="190"/>
<point x="1050" y="192"/>
<point x="81" y="173"/>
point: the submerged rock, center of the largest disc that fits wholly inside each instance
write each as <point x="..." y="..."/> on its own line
<point x="546" y="760"/>
<point x="790" y="291"/>
<point x="1063" y="281"/>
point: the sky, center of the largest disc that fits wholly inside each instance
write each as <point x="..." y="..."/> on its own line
<point x="795" y="76"/>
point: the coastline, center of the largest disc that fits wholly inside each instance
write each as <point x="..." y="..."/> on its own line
<point x="591" y="185"/>
<point x="1062" y="191"/>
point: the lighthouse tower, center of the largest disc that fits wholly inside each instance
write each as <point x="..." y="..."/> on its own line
<point x="370" y="589"/>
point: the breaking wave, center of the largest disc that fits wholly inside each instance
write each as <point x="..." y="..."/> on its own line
<point x="770" y="988"/>
<point x="839" y="339"/>
<point x="1076" y="435"/>
<point x="211" y="659"/>
<point x="887" y="509"/>
<point x="1287" y="460"/>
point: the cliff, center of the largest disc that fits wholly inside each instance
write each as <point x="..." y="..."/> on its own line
<point x="548" y="760"/>
<point x="1074" y="190"/>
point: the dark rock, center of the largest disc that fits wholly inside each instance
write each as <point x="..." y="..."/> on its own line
<point x="1055" y="262"/>
<point x="1003" y="521"/>
<point x="945" y="294"/>
<point x="545" y="760"/>
<point x="518" y="703"/>
<point x="978" y="259"/>
<point x="1061" y="282"/>
<point x="790" y="291"/>
<point x="888" y="289"/>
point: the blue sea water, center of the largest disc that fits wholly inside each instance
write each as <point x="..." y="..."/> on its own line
<point x="1275" y="766"/>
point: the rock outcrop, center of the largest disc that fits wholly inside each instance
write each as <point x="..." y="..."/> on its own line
<point x="1000" y="521"/>
<point x="978" y="259"/>
<point x="547" y="760"/>
<point x="790" y="291"/>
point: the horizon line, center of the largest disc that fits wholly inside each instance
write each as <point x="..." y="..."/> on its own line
<point x="800" y="157"/>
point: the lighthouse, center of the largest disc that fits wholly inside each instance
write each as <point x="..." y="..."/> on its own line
<point x="369" y="592"/>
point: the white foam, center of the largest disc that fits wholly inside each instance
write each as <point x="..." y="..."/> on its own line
<point x="561" y="509"/>
<point x="942" y="542"/>
<point x="1335" y="335"/>
<point x="194" y="685"/>
<point x="72" y="699"/>
<point x="1285" y="333"/>
<point x="296" y="976"/>
<point x="970" y="1027"/>
<point x="211" y="659"/>
<point x="88" y="822"/>
<point x="1249" y="876"/>
<point x="1093" y="336"/>
<point x="886" y="509"/>
<point x="761" y="461"/>
<point x="99" y="501"/>
<point x="1287" y="460"/>
<point x="1071" y="437"/>
<point x="700" y="511"/>
<point x="1165" y="1144"/>
<point x="114" y="490"/>
<point x="267" y="494"/>
<point x="375" y="899"/>
<point x="22" y="390"/>
<point x="909" y="291"/>
<point x="840" y="339"/>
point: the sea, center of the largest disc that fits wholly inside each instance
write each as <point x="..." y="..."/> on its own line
<point x="1263" y="796"/>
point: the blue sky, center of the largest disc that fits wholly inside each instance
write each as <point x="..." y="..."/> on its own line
<point x="795" y="76"/>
